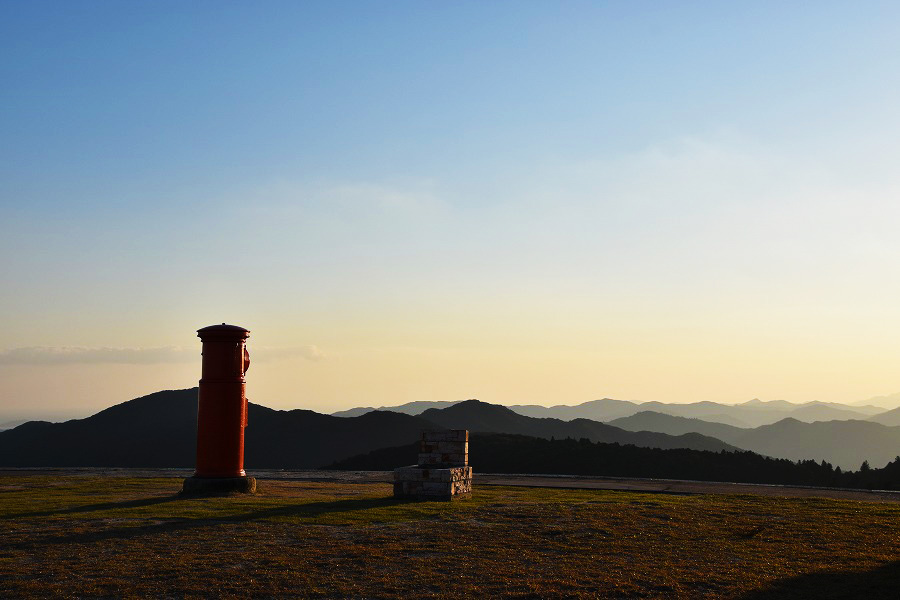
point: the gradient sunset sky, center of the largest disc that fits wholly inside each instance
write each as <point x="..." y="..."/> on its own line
<point x="521" y="202"/>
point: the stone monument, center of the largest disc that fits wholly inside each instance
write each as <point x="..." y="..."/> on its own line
<point x="443" y="471"/>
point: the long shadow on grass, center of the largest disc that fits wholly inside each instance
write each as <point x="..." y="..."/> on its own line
<point x="880" y="583"/>
<point x="93" y="507"/>
<point x="300" y="511"/>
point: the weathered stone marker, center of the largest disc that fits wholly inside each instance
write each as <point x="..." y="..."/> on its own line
<point x="222" y="413"/>
<point x="443" y="471"/>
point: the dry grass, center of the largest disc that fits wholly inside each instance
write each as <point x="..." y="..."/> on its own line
<point x="84" y="536"/>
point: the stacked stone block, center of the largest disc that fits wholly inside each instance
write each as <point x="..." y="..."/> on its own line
<point x="443" y="471"/>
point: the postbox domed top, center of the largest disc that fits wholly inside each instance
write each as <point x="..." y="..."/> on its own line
<point x="223" y="330"/>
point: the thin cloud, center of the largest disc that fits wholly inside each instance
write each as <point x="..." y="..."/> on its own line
<point x="268" y="353"/>
<point x="66" y="355"/>
<point x="63" y="355"/>
<point x="347" y="208"/>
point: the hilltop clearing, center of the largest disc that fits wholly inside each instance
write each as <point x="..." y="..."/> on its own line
<point x="124" y="537"/>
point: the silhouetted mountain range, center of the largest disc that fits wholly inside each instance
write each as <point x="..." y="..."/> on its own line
<point x="752" y="413"/>
<point x="663" y="423"/>
<point x="410" y="408"/>
<point x="481" y="416"/>
<point x="602" y="410"/>
<point x="11" y="424"/>
<point x="159" y="430"/>
<point x="843" y="443"/>
<point x="890" y="418"/>
<point x="889" y="401"/>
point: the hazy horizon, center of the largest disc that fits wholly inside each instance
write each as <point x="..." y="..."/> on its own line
<point x="524" y="203"/>
<point x="887" y="402"/>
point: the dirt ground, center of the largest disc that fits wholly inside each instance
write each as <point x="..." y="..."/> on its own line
<point x="659" y="486"/>
<point x="123" y="534"/>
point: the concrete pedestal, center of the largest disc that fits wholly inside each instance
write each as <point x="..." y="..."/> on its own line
<point x="433" y="483"/>
<point x="443" y="471"/>
<point x="201" y="486"/>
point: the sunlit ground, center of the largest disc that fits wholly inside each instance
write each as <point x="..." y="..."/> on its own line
<point x="119" y="537"/>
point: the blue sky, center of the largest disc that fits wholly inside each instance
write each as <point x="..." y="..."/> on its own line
<point x="517" y="201"/>
<point x="230" y="91"/>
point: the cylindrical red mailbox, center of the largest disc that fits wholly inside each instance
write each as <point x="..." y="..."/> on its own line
<point x="222" y="403"/>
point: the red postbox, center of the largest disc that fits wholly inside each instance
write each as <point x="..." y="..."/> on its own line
<point x="222" y="411"/>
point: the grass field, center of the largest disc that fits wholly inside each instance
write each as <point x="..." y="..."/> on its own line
<point x="83" y="536"/>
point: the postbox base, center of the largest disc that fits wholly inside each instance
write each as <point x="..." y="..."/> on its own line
<point x="219" y="485"/>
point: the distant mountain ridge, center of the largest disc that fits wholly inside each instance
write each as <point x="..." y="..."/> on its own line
<point x="843" y="443"/>
<point x="11" y="424"/>
<point x="478" y="416"/>
<point x="649" y="420"/>
<point x="159" y="430"/>
<point x="888" y="401"/>
<point x="602" y="410"/>
<point x="752" y="413"/>
<point x="890" y="418"/>
<point x="410" y="408"/>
